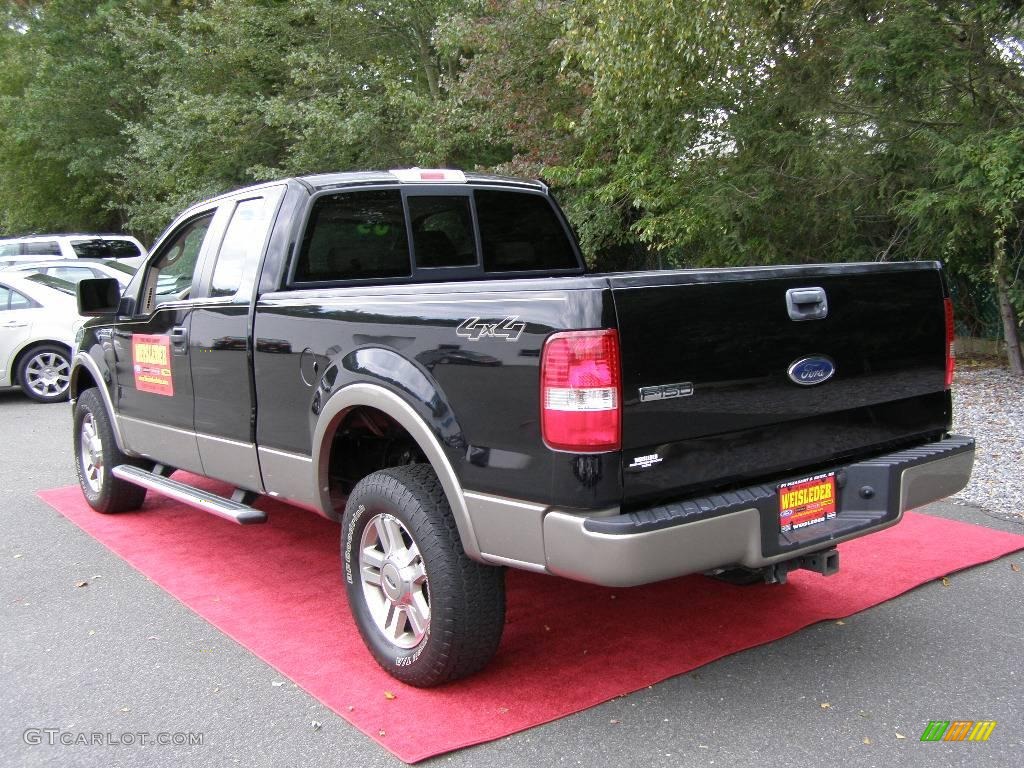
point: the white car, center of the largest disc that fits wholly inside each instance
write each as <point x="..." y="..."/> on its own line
<point x="38" y="321"/>
<point x="124" y="248"/>
<point x="73" y="270"/>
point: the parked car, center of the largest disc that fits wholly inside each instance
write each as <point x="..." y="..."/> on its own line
<point x="74" y="270"/>
<point x="123" y="248"/>
<point x="38" y="321"/>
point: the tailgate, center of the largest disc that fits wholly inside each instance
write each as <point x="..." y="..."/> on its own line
<point x="711" y="361"/>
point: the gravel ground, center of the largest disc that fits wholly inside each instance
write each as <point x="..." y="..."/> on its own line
<point x="989" y="404"/>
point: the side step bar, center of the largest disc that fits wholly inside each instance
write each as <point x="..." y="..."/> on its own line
<point x="229" y="509"/>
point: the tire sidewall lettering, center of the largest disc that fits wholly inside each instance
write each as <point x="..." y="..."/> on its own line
<point x="350" y="533"/>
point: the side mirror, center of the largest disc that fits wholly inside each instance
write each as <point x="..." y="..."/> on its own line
<point x="98" y="296"/>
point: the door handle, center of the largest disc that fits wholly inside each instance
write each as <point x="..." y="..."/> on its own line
<point x="13" y="324"/>
<point x="179" y="340"/>
<point x="807" y="303"/>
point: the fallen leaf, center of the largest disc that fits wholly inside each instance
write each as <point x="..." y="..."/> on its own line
<point x="825" y="705"/>
<point x="900" y="736"/>
<point x="81" y="583"/>
<point x="277" y="683"/>
<point x="382" y="732"/>
<point x="1013" y="566"/>
<point x="17" y="556"/>
<point x="125" y="709"/>
<point x="153" y="637"/>
<point x="389" y="696"/>
<point x="317" y="725"/>
<point x="614" y="722"/>
<point x="92" y="632"/>
<point x="216" y="689"/>
<point x="867" y="740"/>
<point x="841" y="623"/>
<point x="945" y="581"/>
<point x="351" y="708"/>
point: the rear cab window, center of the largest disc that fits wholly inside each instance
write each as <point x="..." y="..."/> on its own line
<point x="355" y="236"/>
<point x="432" y="233"/>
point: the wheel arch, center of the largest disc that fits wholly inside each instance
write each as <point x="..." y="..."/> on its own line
<point x="27" y="348"/>
<point x="86" y="374"/>
<point x="366" y="394"/>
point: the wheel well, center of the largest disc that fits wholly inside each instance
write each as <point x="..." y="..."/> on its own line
<point x="16" y="368"/>
<point x="81" y="380"/>
<point x="366" y="440"/>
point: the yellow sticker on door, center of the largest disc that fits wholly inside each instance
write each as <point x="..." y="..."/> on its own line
<point x="151" y="360"/>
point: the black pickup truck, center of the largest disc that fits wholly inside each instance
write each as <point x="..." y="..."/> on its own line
<point x="422" y="356"/>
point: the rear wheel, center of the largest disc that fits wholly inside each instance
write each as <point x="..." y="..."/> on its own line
<point x="96" y="455"/>
<point x="44" y="373"/>
<point x="427" y="613"/>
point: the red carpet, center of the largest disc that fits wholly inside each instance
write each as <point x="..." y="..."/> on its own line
<point x="276" y="589"/>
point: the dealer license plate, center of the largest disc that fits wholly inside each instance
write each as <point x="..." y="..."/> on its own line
<point x="807" y="502"/>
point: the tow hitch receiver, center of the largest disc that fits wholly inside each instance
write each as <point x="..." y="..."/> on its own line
<point x="825" y="562"/>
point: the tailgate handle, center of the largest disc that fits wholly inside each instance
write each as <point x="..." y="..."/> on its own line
<point x="807" y="303"/>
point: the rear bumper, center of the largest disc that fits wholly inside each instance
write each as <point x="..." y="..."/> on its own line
<point x="740" y="528"/>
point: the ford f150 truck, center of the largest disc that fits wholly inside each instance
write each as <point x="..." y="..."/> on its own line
<point x="422" y="356"/>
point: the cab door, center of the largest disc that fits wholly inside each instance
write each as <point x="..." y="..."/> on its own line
<point x="153" y="366"/>
<point x="220" y="340"/>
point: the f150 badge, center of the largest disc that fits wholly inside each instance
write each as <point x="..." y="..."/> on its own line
<point x="508" y="329"/>
<point x="666" y="391"/>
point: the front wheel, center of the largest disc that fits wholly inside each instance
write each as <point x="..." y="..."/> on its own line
<point x="96" y="455"/>
<point x="427" y="613"/>
<point x="45" y="373"/>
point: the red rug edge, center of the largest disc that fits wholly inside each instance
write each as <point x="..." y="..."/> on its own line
<point x="412" y="757"/>
<point x="734" y="652"/>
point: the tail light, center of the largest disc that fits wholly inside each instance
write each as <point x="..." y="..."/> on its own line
<point x="950" y="338"/>
<point x="581" y="391"/>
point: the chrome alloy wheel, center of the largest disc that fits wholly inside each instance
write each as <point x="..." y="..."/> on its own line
<point x="91" y="450"/>
<point x="48" y="374"/>
<point x="394" y="581"/>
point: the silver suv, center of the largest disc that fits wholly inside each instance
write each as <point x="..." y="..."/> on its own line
<point x="123" y="248"/>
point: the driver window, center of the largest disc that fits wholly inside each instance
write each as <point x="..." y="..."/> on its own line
<point x="170" y="278"/>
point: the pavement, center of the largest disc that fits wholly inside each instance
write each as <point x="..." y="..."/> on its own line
<point x="121" y="656"/>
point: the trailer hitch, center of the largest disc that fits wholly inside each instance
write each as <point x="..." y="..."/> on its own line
<point x="825" y="562"/>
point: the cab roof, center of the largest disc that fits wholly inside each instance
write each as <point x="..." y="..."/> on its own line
<point x="323" y="181"/>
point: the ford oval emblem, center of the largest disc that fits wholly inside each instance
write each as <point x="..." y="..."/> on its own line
<point x="808" y="371"/>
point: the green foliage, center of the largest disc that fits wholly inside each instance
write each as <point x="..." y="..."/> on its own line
<point x="675" y="133"/>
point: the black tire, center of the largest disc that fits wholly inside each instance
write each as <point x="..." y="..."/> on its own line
<point x="104" y="492"/>
<point x="464" y="600"/>
<point x="44" y="373"/>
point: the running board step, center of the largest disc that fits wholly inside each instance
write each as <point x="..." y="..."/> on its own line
<point x="231" y="510"/>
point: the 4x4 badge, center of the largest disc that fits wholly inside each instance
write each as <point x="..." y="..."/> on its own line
<point x="508" y="329"/>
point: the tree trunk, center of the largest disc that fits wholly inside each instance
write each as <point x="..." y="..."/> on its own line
<point x="429" y="65"/>
<point x="1009" y="317"/>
